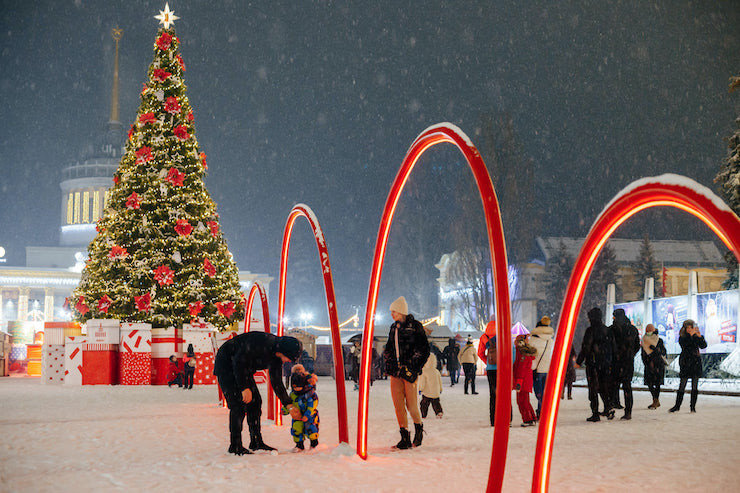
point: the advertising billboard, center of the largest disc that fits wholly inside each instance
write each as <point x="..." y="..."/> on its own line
<point x="635" y="311"/>
<point x="717" y="319"/>
<point x="668" y="315"/>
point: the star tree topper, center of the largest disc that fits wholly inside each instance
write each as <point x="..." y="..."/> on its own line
<point x="166" y="16"/>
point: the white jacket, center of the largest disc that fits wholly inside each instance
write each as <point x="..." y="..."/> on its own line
<point x="542" y="338"/>
<point x="430" y="380"/>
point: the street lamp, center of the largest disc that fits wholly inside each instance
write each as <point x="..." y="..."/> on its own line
<point x="306" y="317"/>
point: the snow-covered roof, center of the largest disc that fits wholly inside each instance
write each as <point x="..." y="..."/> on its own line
<point x="670" y="252"/>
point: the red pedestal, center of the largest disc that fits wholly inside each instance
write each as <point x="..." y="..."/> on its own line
<point x="100" y="367"/>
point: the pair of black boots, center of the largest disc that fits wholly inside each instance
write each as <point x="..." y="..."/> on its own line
<point x="406" y="442"/>
<point x="255" y="443"/>
<point x="314" y="444"/>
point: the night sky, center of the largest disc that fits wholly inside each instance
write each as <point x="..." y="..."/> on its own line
<point x="316" y="102"/>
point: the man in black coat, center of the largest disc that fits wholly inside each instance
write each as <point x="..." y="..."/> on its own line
<point x="235" y="363"/>
<point x="627" y="342"/>
<point x="597" y="352"/>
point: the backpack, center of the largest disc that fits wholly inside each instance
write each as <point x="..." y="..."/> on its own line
<point x="491" y="355"/>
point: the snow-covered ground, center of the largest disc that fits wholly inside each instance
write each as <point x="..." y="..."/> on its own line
<point x="121" y="438"/>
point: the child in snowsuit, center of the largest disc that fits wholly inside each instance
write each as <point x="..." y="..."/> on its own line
<point x="430" y="386"/>
<point x="174" y="374"/>
<point x="305" y="399"/>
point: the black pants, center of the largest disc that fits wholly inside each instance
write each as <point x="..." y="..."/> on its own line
<point x="626" y="383"/>
<point x="238" y="409"/>
<point x="189" y="374"/>
<point x="424" y="405"/>
<point x="598" y="385"/>
<point x="453" y="374"/>
<point x="469" y="370"/>
<point x="491" y="375"/>
<point x="682" y="389"/>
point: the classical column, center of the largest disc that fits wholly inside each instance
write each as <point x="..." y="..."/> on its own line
<point x="22" y="303"/>
<point x="48" y="304"/>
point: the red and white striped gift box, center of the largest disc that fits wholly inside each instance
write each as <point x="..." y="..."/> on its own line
<point x="56" y="332"/>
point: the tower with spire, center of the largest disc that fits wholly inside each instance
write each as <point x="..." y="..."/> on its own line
<point x="85" y="185"/>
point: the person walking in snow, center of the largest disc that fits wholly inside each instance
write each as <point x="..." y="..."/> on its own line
<point x="189" y="362"/>
<point x="304" y="397"/>
<point x="235" y="364"/>
<point x="430" y="387"/>
<point x="405" y="353"/>
<point x="627" y="344"/>
<point x="355" y="356"/>
<point x="487" y="353"/>
<point x="450" y="353"/>
<point x="653" y="357"/>
<point x="523" y="378"/>
<point x="468" y="360"/>
<point x="570" y="375"/>
<point x="541" y="339"/>
<point x="689" y="362"/>
<point x="597" y="353"/>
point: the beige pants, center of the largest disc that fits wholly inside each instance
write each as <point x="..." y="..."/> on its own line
<point x="404" y="397"/>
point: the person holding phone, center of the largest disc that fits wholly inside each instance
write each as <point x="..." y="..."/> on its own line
<point x="689" y="362"/>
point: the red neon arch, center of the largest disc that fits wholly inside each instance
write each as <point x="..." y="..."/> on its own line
<point x="331" y="305"/>
<point x="665" y="190"/>
<point x="435" y="135"/>
<point x="258" y="288"/>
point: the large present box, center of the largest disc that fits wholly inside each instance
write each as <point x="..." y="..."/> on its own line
<point x="165" y="342"/>
<point x="52" y="363"/>
<point x="199" y="335"/>
<point x="136" y="338"/>
<point x="73" y="360"/>
<point x="136" y="368"/>
<point x="56" y="332"/>
<point x="204" y="371"/>
<point x="33" y="360"/>
<point x="99" y="364"/>
<point x="103" y="331"/>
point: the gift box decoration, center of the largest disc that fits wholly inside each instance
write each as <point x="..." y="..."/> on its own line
<point x="73" y="360"/>
<point x="204" y="371"/>
<point x="103" y="331"/>
<point x="56" y="332"/>
<point x="165" y="342"/>
<point x="52" y="363"/>
<point x="199" y="335"/>
<point x="136" y="368"/>
<point x="136" y="338"/>
<point x="99" y="364"/>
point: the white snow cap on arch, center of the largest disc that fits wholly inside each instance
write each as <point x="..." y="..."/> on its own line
<point x="450" y="126"/>
<point x="674" y="180"/>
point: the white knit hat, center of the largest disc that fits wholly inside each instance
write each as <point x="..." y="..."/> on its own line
<point x="400" y="306"/>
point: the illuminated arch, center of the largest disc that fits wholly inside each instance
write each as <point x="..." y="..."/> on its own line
<point x="302" y="210"/>
<point x="665" y="190"/>
<point x="437" y="134"/>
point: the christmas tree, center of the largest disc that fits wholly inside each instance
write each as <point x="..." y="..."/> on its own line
<point x="160" y="255"/>
<point x="729" y="183"/>
<point x="644" y="267"/>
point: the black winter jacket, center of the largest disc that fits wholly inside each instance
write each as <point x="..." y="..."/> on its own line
<point x="654" y="364"/>
<point x="627" y="343"/>
<point x="412" y="344"/>
<point x="689" y="361"/>
<point x="240" y="357"/>
<point x="597" y="347"/>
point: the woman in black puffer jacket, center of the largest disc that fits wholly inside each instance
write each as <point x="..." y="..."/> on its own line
<point x="689" y="362"/>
